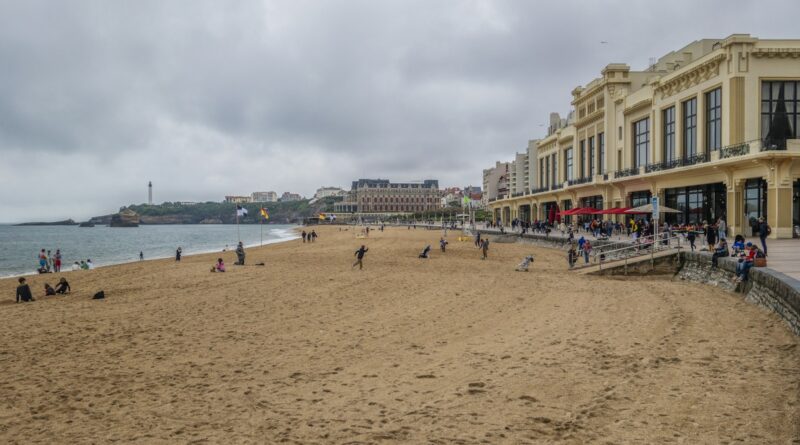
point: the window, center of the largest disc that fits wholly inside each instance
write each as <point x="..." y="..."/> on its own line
<point x="568" y="162"/>
<point x="755" y="202"/>
<point x="547" y="170"/>
<point x="689" y="128"/>
<point x="591" y="156"/>
<point x="669" y="133"/>
<point x="554" y="172"/>
<point x="601" y="146"/>
<point x="714" y="119"/>
<point x="641" y="142"/>
<point x="640" y="198"/>
<point x="583" y="159"/>
<point x="780" y="112"/>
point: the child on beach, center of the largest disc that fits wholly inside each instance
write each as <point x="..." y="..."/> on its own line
<point x="425" y="251"/>
<point x="62" y="287"/>
<point x="484" y="249"/>
<point x="48" y="290"/>
<point x="219" y="267"/>
<point x="24" y="291"/>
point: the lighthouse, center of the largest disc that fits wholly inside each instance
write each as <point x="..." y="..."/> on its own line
<point x="150" y="193"/>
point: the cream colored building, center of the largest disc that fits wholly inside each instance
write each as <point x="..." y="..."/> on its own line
<point x="711" y="129"/>
<point x="495" y="181"/>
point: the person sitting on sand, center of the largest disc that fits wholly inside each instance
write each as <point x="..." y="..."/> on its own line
<point x="62" y="287"/>
<point x="523" y="266"/>
<point x="89" y="264"/>
<point x="425" y="251"/>
<point x="24" y="291"/>
<point x="219" y="267"/>
<point x="48" y="290"/>
<point x="84" y="266"/>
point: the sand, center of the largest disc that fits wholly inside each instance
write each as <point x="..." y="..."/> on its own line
<point x="447" y="350"/>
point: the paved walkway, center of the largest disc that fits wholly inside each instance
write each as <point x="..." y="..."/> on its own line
<point x="784" y="256"/>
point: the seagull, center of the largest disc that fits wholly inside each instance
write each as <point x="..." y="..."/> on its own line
<point x="602" y="42"/>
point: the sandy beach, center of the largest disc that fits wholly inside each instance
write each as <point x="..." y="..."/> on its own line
<point x="451" y="349"/>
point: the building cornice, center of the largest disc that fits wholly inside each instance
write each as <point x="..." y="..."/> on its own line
<point x="690" y="77"/>
<point x="773" y="53"/>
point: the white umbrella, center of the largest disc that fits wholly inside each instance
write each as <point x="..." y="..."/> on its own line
<point x="648" y="208"/>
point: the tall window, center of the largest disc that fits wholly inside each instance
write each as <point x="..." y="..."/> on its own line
<point x="780" y="112"/>
<point x="689" y="128"/>
<point x="541" y="172"/>
<point x="641" y="142"/>
<point x="669" y="133"/>
<point x="555" y="169"/>
<point x="714" y="119"/>
<point x="591" y="156"/>
<point x="547" y="170"/>
<point x="601" y="146"/>
<point x="568" y="161"/>
<point x="583" y="158"/>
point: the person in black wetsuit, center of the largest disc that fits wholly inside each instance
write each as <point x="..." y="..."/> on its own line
<point x="24" y="291"/>
<point x="48" y="290"/>
<point x="62" y="287"/>
<point x="360" y="257"/>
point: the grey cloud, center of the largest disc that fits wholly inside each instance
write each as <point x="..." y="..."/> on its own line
<point x="206" y="98"/>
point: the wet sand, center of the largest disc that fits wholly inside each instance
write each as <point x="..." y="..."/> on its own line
<point x="451" y="349"/>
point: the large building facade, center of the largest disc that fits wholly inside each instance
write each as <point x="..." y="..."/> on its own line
<point x="383" y="196"/>
<point x="711" y="129"/>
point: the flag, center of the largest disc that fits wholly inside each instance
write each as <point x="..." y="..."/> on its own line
<point x="264" y="213"/>
<point x="240" y="211"/>
<point x="323" y="216"/>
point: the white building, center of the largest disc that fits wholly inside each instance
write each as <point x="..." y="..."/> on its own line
<point x="265" y="197"/>
<point x="324" y="192"/>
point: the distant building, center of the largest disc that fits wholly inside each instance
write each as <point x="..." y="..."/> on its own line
<point x="383" y="196"/>
<point x="265" y="197"/>
<point x="187" y="203"/>
<point x="288" y="197"/>
<point x="238" y="199"/>
<point x="495" y="181"/>
<point x="324" y="192"/>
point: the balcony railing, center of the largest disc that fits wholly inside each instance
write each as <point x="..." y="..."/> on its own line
<point x="734" y="150"/>
<point x="696" y="159"/>
<point x="540" y="190"/>
<point x="514" y="195"/>
<point x="579" y="181"/>
<point x="633" y="171"/>
<point x="556" y="186"/>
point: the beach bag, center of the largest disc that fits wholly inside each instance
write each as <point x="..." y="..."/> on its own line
<point x="99" y="296"/>
<point x="759" y="262"/>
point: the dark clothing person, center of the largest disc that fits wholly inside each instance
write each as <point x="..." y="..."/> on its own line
<point x="240" y="254"/>
<point x="359" y="254"/>
<point x="763" y="231"/>
<point x="303" y="235"/>
<point x="62" y="287"/>
<point x="48" y="290"/>
<point x="425" y="251"/>
<point x="720" y="251"/>
<point x="178" y="254"/>
<point x="24" y="291"/>
<point x="691" y="237"/>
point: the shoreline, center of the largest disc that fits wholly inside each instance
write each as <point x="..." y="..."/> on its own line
<point x="155" y="258"/>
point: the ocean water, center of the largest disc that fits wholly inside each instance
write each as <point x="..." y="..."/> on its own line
<point x="20" y="245"/>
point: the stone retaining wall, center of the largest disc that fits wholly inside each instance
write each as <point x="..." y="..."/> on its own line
<point x="766" y="288"/>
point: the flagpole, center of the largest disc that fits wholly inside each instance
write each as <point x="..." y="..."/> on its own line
<point x="262" y="230"/>
<point x="238" y="234"/>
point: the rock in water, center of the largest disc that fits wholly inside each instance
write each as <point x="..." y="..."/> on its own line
<point x="125" y="218"/>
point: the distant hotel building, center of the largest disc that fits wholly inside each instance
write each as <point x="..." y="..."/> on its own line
<point x="238" y="199"/>
<point x="324" y="192"/>
<point x="287" y="197"/>
<point x="711" y="129"/>
<point x="382" y="196"/>
<point x="265" y="197"/>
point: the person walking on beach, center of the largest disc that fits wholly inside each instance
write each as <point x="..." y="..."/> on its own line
<point x="240" y="254"/>
<point x="303" y="235"/>
<point x="42" y="261"/>
<point x="141" y="256"/>
<point x="443" y="244"/>
<point x="178" y="254"/>
<point x="484" y="249"/>
<point x="478" y="240"/>
<point x="57" y="261"/>
<point x="50" y="264"/>
<point x="360" y="257"/>
<point x="313" y="235"/>
<point x="24" y="291"/>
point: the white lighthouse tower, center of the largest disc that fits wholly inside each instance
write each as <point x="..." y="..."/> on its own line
<point x="150" y="193"/>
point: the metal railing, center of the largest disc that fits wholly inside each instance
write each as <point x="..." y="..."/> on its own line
<point x="633" y="171"/>
<point x="647" y="245"/>
<point x="540" y="190"/>
<point x="734" y="150"/>
<point x="578" y="181"/>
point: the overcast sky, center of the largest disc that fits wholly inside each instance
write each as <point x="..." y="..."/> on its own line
<point x="209" y="98"/>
